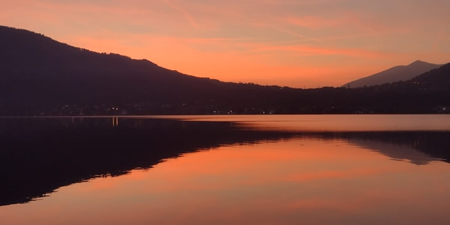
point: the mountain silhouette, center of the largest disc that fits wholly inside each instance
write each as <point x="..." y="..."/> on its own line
<point x="38" y="69"/>
<point x="40" y="76"/>
<point x="395" y="74"/>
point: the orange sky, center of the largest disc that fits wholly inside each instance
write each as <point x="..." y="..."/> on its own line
<point x="299" y="43"/>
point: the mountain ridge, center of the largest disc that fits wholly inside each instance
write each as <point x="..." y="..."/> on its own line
<point x="55" y="63"/>
<point x="40" y="76"/>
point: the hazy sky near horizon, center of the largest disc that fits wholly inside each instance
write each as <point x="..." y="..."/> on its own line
<point x="299" y="43"/>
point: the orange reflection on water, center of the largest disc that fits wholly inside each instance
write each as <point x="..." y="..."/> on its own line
<point x="335" y="123"/>
<point x="298" y="181"/>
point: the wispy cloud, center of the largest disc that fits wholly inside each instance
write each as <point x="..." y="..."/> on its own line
<point x="307" y="50"/>
<point x="314" y="22"/>
<point x="185" y="13"/>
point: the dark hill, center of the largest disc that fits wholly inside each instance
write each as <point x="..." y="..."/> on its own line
<point x="35" y="68"/>
<point x="438" y="79"/>
<point x="398" y="73"/>
<point x="38" y="74"/>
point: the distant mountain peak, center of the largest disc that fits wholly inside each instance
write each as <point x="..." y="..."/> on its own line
<point x="419" y="62"/>
<point x="394" y="74"/>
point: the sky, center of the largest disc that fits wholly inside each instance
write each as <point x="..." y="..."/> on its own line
<point x="297" y="43"/>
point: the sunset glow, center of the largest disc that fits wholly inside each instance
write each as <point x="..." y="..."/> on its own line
<point x="299" y="43"/>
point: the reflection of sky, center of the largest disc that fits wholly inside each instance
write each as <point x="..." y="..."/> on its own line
<point x="322" y="123"/>
<point x="287" y="42"/>
<point x="301" y="181"/>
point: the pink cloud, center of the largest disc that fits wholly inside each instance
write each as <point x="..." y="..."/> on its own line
<point x="315" y="22"/>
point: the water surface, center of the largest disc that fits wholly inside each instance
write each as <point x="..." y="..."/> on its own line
<point x="225" y="170"/>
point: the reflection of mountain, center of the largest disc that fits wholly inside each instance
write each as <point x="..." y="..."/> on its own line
<point x="396" y="151"/>
<point x="37" y="156"/>
<point x="419" y="148"/>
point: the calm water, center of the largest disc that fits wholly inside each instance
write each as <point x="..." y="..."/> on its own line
<point x="225" y="170"/>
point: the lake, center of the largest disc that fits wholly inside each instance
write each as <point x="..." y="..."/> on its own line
<point x="271" y="169"/>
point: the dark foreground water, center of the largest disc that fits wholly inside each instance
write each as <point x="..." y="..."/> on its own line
<point x="225" y="170"/>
